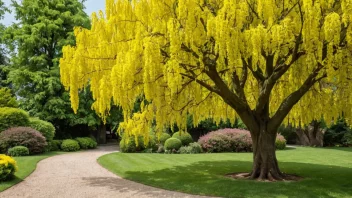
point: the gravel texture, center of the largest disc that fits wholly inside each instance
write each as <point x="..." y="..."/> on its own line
<point x="78" y="175"/>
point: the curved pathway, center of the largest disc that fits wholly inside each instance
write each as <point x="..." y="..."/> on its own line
<point x="77" y="175"/>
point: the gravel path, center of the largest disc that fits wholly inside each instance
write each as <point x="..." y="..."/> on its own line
<point x="79" y="175"/>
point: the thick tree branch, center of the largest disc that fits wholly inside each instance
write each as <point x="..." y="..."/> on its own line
<point x="293" y="98"/>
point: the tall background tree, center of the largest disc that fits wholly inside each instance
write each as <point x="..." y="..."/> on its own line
<point x="3" y="57"/>
<point x="36" y="41"/>
<point x="263" y="61"/>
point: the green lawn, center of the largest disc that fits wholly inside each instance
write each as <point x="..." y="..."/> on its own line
<point x="26" y="165"/>
<point x="326" y="172"/>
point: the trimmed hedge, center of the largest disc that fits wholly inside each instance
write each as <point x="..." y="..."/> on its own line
<point x="8" y="167"/>
<point x="12" y="117"/>
<point x="45" y="128"/>
<point x="185" y="138"/>
<point x="18" y="151"/>
<point x="23" y="136"/>
<point x="70" y="145"/>
<point x="172" y="144"/>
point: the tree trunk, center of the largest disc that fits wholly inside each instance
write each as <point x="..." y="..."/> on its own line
<point x="265" y="165"/>
<point x="312" y="135"/>
<point x="102" y="134"/>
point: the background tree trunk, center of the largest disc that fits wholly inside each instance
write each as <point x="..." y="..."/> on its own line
<point x="102" y="134"/>
<point x="312" y="135"/>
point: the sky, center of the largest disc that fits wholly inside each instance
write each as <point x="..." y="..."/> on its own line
<point x="91" y="6"/>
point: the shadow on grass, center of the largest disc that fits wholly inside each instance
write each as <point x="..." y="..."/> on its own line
<point x="207" y="178"/>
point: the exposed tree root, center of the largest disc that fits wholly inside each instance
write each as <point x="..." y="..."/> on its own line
<point x="269" y="177"/>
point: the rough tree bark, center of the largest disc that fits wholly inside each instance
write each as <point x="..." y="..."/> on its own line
<point x="312" y="135"/>
<point x="265" y="164"/>
<point x="102" y="134"/>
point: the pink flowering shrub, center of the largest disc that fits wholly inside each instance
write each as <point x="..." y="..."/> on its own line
<point x="230" y="140"/>
<point x="226" y="140"/>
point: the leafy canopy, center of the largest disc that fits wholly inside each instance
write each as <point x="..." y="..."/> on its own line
<point x="215" y="58"/>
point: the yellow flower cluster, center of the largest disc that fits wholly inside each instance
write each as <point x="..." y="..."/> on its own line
<point x="8" y="167"/>
<point x="158" y="49"/>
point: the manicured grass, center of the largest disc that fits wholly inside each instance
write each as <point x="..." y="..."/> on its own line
<point x="326" y="172"/>
<point x="26" y="165"/>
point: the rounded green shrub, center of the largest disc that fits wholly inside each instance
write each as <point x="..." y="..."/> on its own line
<point x="92" y="143"/>
<point x="18" y="151"/>
<point x="280" y="142"/>
<point x="185" y="138"/>
<point x="83" y="142"/>
<point x="12" y="117"/>
<point x="8" y="167"/>
<point x="70" y="145"/>
<point x="54" y="145"/>
<point x="23" y="136"/>
<point x="45" y="128"/>
<point x="172" y="143"/>
<point x="163" y="137"/>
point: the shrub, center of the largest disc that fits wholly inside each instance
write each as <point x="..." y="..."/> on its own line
<point x="70" y="145"/>
<point x="232" y="140"/>
<point x="83" y="142"/>
<point x="172" y="143"/>
<point x="8" y="167"/>
<point x="45" y="128"/>
<point x="192" y="148"/>
<point x="128" y="145"/>
<point x="347" y="139"/>
<point x="337" y="134"/>
<point x="52" y="146"/>
<point x="185" y="138"/>
<point x="22" y="136"/>
<point x="280" y="142"/>
<point x="226" y="140"/>
<point x="12" y="117"/>
<point x="18" y="151"/>
<point x="92" y="144"/>
<point x="163" y="138"/>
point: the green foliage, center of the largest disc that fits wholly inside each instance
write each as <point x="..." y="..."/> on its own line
<point x="128" y="144"/>
<point x="172" y="144"/>
<point x="45" y="128"/>
<point x="92" y="143"/>
<point x="164" y="137"/>
<point x="7" y="99"/>
<point x="18" y="151"/>
<point x="185" y="138"/>
<point x="7" y="167"/>
<point x="23" y="136"/>
<point x="289" y="133"/>
<point x="12" y="117"/>
<point x="70" y="145"/>
<point x="192" y="148"/>
<point x="338" y="134"/>
<point x="86" y="142"/>
<point x="53" y="145"/>
<point x="42" y="28"/>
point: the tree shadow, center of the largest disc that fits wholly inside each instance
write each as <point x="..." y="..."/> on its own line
<point x="208" y="178"/>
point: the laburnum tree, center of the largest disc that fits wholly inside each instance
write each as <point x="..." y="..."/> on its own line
<point x="261" y="61"/>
